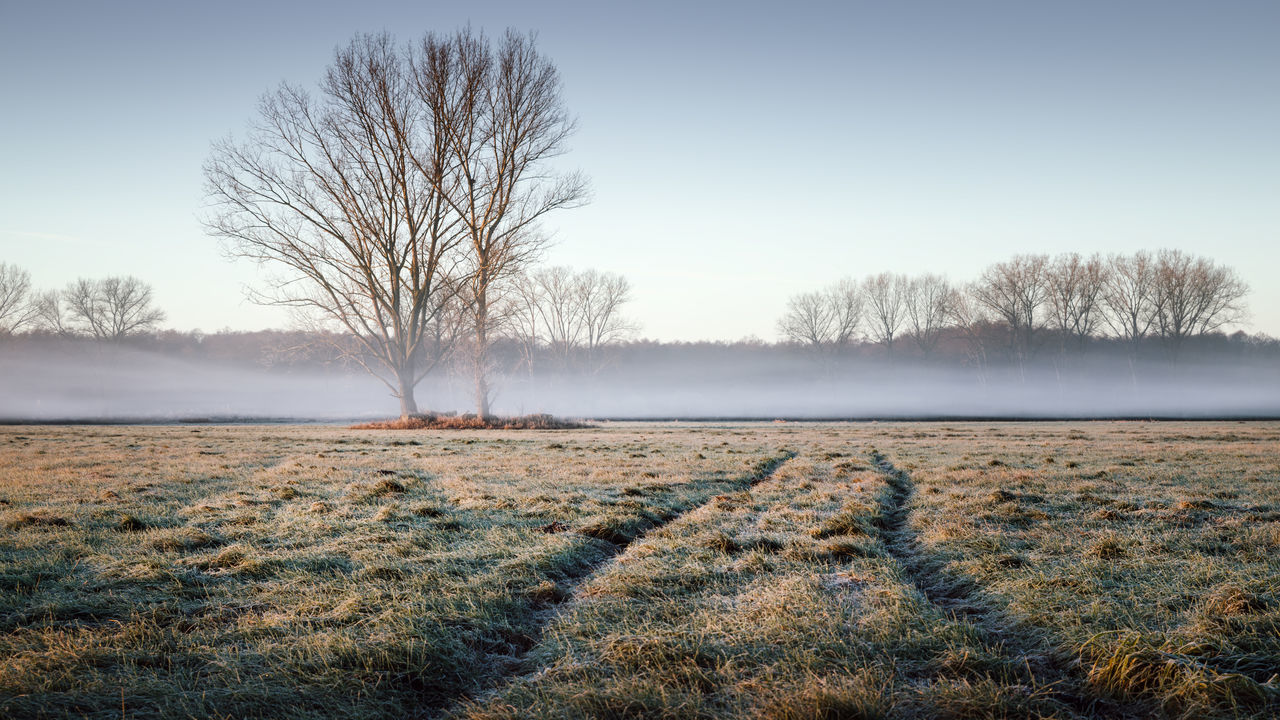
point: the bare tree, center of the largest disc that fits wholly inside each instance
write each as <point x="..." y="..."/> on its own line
<point x="927" y="304"/>
<point x="972" y="319"/>
<point x="601" y="297"/>
<point x="344" y="193"/>
<point x="524" y="320"/>
<point x="509" y="119"/>
<point x="560" y="310"/>
<point x="846" y="301"/>
<point x="826" y="320"/>
<point x="1075" y="288"/>
<point x="18" y="306"/>
<point x="886" y="306"/>
<point x="50" y="314"/>
<point x="1015" y="291"/>
<point x="1194" y="296"/>
<point x="1130" y="296"/>
<point x="809" y="321"/>
<point x="567" y="311"/>
<point x="111" y="308"/>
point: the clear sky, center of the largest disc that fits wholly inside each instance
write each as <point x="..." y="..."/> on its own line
<point x="739" y="152"/>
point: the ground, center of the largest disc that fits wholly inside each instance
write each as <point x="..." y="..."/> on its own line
<point x="770" y="570"/>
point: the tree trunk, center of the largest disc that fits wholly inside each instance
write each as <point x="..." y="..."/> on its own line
<point x="408" y="405"/>
<point x="481" y="357"/>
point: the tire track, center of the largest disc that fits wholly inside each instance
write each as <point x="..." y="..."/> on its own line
<point x="574" y="584"/>
<point x="959" y="599"/>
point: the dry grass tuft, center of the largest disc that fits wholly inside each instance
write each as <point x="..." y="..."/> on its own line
<point x="441" y="421"/>
<point x="1130" y="668"/>
<point x="1107" y="549"/>
<point x="285" y="492"/>
<point x="1230" y="600"/>
<point x="130" y="523"/>
<point x="35" y="519"/>
<point x="388" y="486"/>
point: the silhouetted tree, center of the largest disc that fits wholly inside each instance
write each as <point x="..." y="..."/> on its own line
<point x="111" y="308"/>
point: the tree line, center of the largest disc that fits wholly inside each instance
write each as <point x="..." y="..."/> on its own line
<point x="110" y="308"/>
<point x="558" y="318"/>
<point x="1019" y="306"/>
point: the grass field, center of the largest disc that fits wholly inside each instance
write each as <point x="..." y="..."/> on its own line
<point x="642" y="570"/>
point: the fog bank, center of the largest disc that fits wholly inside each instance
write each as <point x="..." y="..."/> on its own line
<point x="104" y="383"/>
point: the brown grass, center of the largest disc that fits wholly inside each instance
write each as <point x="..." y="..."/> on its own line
<point x="441" y="421"/>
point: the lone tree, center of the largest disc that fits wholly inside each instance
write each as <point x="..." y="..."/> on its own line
<point x="395" y="200"/>
<point x="343" y="194"/>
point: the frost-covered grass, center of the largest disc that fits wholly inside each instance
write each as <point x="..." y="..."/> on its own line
<point x="641" y="570"/>
<point x="1149" y="552"/>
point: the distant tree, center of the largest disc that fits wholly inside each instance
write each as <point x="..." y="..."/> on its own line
<point x="809" y="321"/>
<point x="559" y="306"/>
<point x="1130" y="297"/>
<point x="973" y="321"/>
<point x="572" y="313"/>
<point x="350" y="194"/>
<point x="51" y="316"/>
<point x="523" y="320"/>
<point x="886" y="306"/>
<point x="1194" y="296"/>
<point x="928" y="305"/>
<point x="111" y="308"/>
<point x="1015" y="291"/>
<point x="18" y="307"/>
<point x="848" y="306"/>
<point x="824" y="321"/>
<point x="601" y="298"/>
<point x="1075" y="288"/>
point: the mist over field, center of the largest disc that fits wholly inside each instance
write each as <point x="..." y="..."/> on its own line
<point x="97" y="382"/>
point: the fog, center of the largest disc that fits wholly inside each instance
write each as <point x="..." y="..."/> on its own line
<point x="105" y="383"/>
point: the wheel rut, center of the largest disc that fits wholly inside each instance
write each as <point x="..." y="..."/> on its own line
<point x="573" y="585"/>
<point x="960" y="599"/>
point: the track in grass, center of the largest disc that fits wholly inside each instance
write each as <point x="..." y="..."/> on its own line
<point x="763" y="470"/>
<point x="958" y="598"/>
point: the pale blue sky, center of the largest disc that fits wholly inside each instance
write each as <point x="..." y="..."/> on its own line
<point x="739" y="152"/>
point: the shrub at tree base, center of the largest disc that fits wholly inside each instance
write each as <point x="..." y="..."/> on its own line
<point x="470" y="421"/>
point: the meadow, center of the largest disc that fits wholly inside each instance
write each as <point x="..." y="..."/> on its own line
<point x="758" y="570"/>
